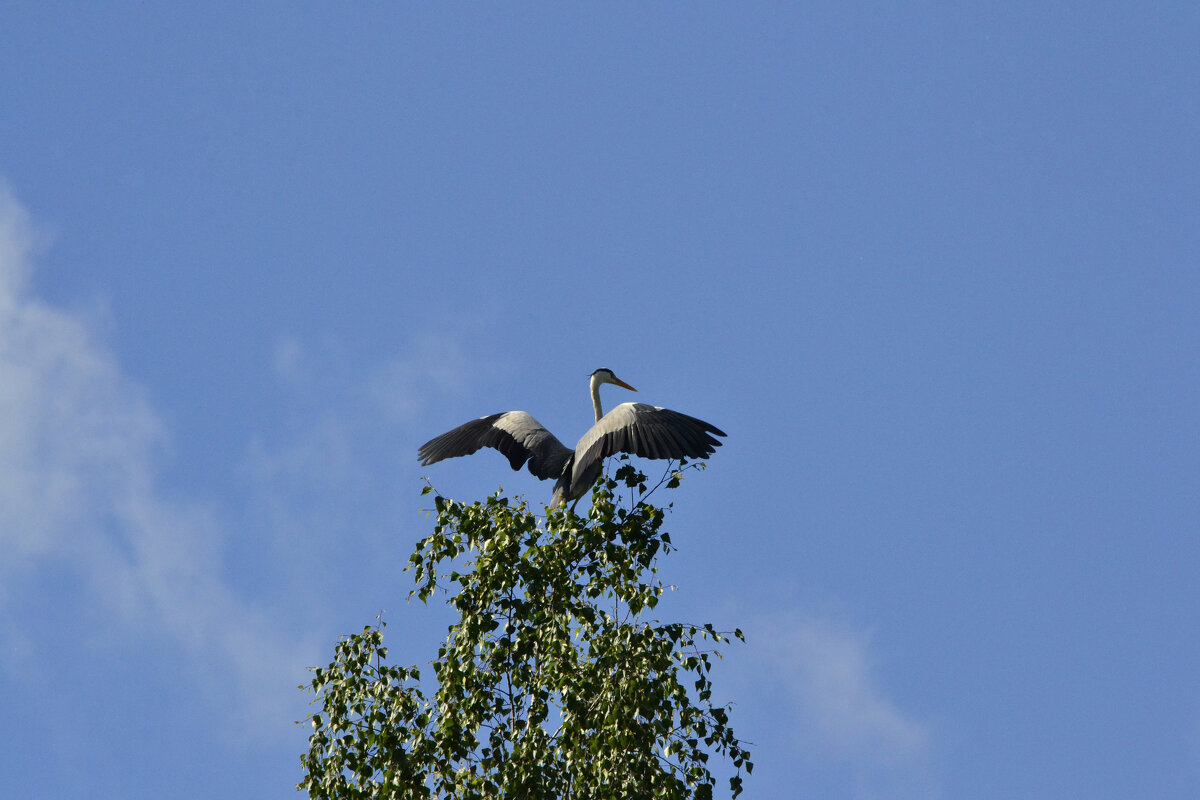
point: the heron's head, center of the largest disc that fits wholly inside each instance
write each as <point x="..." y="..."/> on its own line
<point x="605" y="375"/>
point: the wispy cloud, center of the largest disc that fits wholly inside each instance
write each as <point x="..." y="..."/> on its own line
<point x="325" y="465"/>
<point x="839" y="712"/>
<point x="831" y="676"/>
<point x="437" y="364"/>
<point x="80" y="453"/>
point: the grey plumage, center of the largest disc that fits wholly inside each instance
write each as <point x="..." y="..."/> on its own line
<point x="635" y="428"/>
<point x="515" y="434"/>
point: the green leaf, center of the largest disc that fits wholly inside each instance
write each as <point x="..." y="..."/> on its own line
<point x="550" y="684"/>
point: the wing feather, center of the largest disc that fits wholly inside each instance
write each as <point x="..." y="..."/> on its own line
<point x="516" y="434"/>
<point x="642" y="430"/>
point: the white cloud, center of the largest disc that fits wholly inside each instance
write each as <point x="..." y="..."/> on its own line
<point x="831" y="676"/>
<point x="391" y="392"/>
<point x="840" y="713"/>
<point x="325" y="465"/>
<point x="79" y="496"/>
<point x="289" y="361"/>
<point x="436" y="365"/>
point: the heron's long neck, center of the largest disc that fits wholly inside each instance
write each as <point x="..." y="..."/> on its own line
<point x="596" y="399"/>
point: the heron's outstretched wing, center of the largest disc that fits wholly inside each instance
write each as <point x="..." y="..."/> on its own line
<point x="516" y="434"/>
<point x="642" y="430"/>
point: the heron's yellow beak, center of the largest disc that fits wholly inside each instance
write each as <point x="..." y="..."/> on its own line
<point x="620" y="382"/>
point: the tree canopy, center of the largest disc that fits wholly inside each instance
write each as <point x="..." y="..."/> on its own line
<point x="553" y="683"/>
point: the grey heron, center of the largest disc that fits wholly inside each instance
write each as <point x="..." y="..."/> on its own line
<point x="635" y="428"/>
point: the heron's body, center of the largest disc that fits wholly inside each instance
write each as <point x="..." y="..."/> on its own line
<point x="635" y="428"/>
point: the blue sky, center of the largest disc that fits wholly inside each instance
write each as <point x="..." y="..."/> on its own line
<point x="934" y="268"/>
